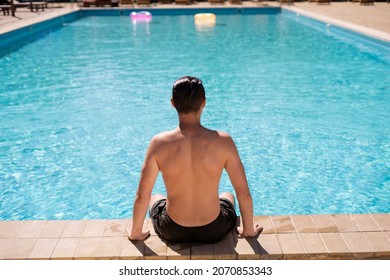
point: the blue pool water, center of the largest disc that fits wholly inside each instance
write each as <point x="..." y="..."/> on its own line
<point x="309" y="113"/>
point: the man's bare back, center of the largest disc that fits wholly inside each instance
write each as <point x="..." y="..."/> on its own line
<point x="191" y="163"/>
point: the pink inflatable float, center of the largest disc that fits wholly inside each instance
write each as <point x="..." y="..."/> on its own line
<point x="141" y="16"/>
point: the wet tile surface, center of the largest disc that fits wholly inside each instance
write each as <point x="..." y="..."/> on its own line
<point x="283" y="224"/>
<point x="345" y="223"/>
<point x="324" y="223"/>
<point x="304" y="223"/>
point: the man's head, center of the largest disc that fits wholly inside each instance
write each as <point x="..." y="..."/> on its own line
<point x="188" y="95"/>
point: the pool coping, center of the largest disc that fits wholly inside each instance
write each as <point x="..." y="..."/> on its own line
<point x="328" y="21"/>
<point x="309" y="237"/>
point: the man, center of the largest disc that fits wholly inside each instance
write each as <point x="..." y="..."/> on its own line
<point x="191" y="159"/>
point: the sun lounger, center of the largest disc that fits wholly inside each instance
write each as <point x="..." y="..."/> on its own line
<point x="217" y="1"/>
<point x="143" y="2"/>
<point x="183" y="2"/>
<point x="32" y="5"/>
<point x="366" y="2"/>
<point x="288" y="2"/>
<point x="101" y="3"/>
<point x="264" y="2"/>
<point x="89" y="3"/>
<point x="127" y="2"/>
<point x="5" y="9"/>
<point x="323" y="1"/>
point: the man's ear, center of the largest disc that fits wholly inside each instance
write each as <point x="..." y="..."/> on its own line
<point x="204" y="102"/>
<point x="173" y="103"/>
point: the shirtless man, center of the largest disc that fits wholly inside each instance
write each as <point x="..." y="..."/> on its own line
<point x="191" y="159"/>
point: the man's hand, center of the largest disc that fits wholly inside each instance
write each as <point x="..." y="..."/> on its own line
<point x="254" y="232"/>
<point x="139" y="236"/>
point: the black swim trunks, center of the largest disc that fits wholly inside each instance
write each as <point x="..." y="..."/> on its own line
<point x="213" y="232"/>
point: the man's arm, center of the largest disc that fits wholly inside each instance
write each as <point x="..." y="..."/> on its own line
<point x="149" y="174"/>
<point x="236" y="172"/>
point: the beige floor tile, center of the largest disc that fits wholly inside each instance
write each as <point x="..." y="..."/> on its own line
<point x="66" y="247"/>
<point x="269" y="247"/>
<point x="291" y="246"/>
<point x="116" y="227"/>
<point x="266" y="223"/>
<point x="283" y="224"/>
<point x="20" y="248"/>
<point x="387" y="233"/>
<point x="150" y="227"/>
<point x="53" y="229"/>
<point x="43" y="249"/>
<point x="146" y="226"/>
<point x="88" y="248"/>
<point x="383" y="220"/>
<point x="365" y="222"/>
<point x="336" y="245"/>
<point x="110" y="248"/>
<point x="32" y="229"/>
<point x="314" y="246"/>
<point x="180" y="251"/>
<point x="225" y="249"/>
<point x="247" y="249"/>
<point x="304" y="223"/>
<point x="10" y="229"/>
<point x="358" y="244"/>
<point x="202" y="252"/>
<point x="345" y="223"/>
<point x="5" y="245"/>
<point x="74" y="228"/>
<point x="132" y="250"/>
<point x="95" y="228"/>
<point x="379" y="243"/>
<point x="155" y="248"/>
<point x="324" y="223"/>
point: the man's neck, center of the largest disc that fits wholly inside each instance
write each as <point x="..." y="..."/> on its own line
<point x="189" y="123"/>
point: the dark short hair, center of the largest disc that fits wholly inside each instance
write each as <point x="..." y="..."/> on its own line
<point x="188" y="94"/>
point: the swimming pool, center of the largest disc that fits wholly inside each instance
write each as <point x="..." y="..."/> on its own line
<point x="308" y="110"/>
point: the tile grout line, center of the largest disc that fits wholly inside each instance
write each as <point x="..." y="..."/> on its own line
<point x="276" y="235"/>
<point x="380" y="228"/>
<point x="342" y="235"/>
<point x="299" y="237"/>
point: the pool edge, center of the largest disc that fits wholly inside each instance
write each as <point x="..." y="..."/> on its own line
<point x="310" y="237"/>
<point x="346" y="26"/>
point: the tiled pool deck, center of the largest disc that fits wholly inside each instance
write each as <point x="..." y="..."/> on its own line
<point x="363" y="236"/>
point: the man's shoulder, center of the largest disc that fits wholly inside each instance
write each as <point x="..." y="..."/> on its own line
<point x="163" y="136"/>
<point x="223" y="134"/>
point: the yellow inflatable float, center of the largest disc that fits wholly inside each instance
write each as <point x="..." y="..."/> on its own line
<point x="205" y="19"/>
